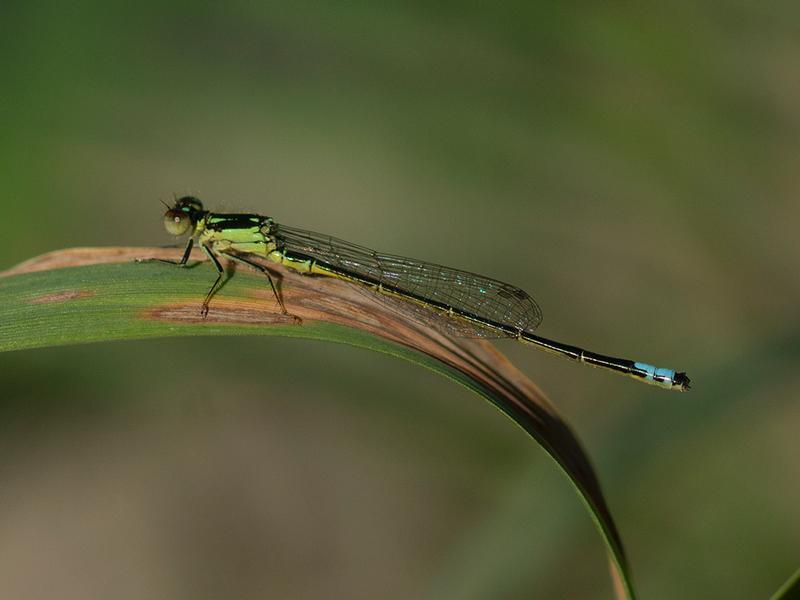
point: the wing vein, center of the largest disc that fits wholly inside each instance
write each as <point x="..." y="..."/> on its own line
<point x="482" y="298"/>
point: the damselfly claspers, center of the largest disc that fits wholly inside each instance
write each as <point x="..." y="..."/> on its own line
<point x="462" y="303"/>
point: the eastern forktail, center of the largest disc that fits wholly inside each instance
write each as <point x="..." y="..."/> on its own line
<point x="460" y="302"/>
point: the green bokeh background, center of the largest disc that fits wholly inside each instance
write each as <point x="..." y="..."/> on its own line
<point x="635" y="167"/>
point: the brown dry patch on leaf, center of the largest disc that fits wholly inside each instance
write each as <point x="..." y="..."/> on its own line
<point x="76" y="257"/>
<point x="221" y="312"/>
<point x="62" y="296"/>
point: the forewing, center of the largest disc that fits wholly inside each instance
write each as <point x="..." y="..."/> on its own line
<point x="477" y="295"/>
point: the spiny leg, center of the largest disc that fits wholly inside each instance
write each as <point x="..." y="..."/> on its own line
<point x="220" y="273"/>
<point x="266" y="272"/>
<point x="181" y="263"/>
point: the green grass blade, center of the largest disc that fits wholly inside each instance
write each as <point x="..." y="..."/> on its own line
<point x="100" y="294"/>
<point x="789" y="590"/>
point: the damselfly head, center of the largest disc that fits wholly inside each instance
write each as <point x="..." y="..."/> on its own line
<point x="181" y="218"/>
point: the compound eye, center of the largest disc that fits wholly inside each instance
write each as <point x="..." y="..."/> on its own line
<point x="177" y="222"/>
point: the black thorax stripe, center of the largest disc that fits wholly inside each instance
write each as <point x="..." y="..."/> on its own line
<point x="219" y="222"/>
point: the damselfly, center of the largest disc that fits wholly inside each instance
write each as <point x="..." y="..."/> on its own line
<point x="462" y="303"/>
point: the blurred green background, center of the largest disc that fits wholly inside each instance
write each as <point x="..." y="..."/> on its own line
<point x="635" y="167"/>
